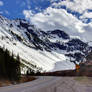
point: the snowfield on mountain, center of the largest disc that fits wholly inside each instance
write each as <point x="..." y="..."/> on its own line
<point x="53" y="50"/>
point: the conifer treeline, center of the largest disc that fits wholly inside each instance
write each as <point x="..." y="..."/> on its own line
<point x="9" y="66"/>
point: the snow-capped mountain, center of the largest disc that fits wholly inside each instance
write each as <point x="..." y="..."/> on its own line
<point x="52" y="50"/>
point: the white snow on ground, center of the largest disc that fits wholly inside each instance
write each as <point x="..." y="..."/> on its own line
<point x="43" y="59"/>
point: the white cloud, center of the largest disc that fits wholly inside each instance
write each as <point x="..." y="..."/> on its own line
<point x="7" y="12"/>
<point x="80" y="6"/>
<point x="1" y="3"/>
<point x="38" y="9"/>
<point x="27" y="13"/>
<point x="76" y="5"/>
<point x="53" y="18"/>
<point x="87" y="15"/>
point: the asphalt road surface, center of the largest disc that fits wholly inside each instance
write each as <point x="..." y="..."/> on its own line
<point x="52" y="84"/>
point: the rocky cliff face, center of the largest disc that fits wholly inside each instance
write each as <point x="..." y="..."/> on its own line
<point x="52" y="50"/>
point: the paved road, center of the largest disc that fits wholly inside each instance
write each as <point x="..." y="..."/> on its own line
<point x="50" y="84"/>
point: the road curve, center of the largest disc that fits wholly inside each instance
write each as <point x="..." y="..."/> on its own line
<point x="49" y="84"/>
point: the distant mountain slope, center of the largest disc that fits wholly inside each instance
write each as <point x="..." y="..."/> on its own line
<point x="52" y="50"/>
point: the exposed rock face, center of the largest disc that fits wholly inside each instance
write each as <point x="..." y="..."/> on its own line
<point x="41" y="48"/>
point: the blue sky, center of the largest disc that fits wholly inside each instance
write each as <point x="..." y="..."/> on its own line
<point x="14" y="8"/>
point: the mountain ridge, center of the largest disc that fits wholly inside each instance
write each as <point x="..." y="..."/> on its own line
<point x="44" y="49"/>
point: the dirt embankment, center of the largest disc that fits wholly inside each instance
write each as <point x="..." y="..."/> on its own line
<point x="6" y="82"/>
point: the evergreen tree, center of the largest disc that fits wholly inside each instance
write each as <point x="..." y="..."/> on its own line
<point x="9" y="66"/>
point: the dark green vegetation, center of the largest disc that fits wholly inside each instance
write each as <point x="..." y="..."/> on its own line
<point x="10" y="69"/>
<point x="9" y="66"/>
<point x="31" y="72"/>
